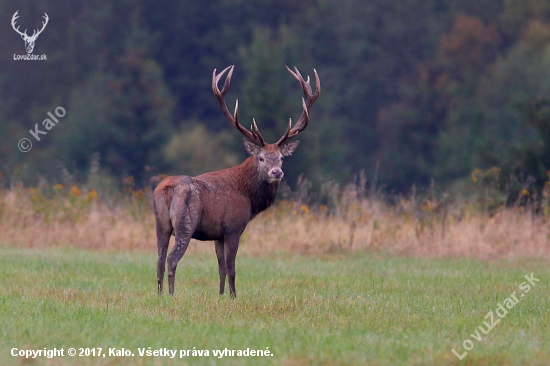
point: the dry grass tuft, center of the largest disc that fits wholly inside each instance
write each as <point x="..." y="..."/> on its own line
<point x="351" y="222"/>
<point x="507" y="233"/>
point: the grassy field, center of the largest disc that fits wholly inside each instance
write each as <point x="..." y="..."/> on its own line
<point x="328" y="309"/>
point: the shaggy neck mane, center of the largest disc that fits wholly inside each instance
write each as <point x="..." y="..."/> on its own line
<point x="261" y="193"/>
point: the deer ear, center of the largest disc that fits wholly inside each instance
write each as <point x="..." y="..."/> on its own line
<point x="251" y="147"/>
<point x="288" y="148"/>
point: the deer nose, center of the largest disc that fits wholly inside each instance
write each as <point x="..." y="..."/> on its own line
<point x="276" y="173"/>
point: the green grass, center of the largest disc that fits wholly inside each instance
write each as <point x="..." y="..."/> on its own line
<point x="330" y="310"/>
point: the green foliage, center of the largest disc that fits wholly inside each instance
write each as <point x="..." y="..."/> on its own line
<point x="267" y="85"/>
<point x="516" y="120"/>
<point x="194" y="150"/>
<point x="429" y="89"/>
<point x="126" y="113"/>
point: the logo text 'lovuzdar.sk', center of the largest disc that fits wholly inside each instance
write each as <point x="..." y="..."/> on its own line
<point x="29" y="40"/>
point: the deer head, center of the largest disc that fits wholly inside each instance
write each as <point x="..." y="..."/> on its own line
<point x="269" y="156"/>
<point x="29" y="40"/>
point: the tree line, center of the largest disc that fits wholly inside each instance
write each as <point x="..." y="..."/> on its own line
<point x="413" y="90"/>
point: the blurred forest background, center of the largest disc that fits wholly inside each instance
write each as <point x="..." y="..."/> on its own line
<point x="414" y="91"/>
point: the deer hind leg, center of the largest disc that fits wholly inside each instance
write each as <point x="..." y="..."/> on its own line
<point x="163" y="240"/>
<point x="231" y="246"/>
<point x="221" y="264"/>
<point x="164" y="231"/>
<point x="183" y="232"/>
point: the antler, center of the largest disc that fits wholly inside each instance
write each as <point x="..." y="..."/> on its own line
<point x="13" y="19"/>
<point x="24" y="34"/>
<point x="307" y="102"/>
<point x="35" y="34"/>
<point x="253" y="135"/>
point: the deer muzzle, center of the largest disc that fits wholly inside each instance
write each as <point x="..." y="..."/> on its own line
<point x="275" y="174"/>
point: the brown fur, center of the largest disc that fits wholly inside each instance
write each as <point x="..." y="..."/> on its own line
<point x="218" y="205"/>
<point x="213" y="206"/>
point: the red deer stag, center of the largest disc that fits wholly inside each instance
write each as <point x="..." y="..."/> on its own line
<point x="218" y="205"/>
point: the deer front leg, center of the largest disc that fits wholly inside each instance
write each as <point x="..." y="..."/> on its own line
<point x="231" y="246"/>
<point x="221" y="264"/>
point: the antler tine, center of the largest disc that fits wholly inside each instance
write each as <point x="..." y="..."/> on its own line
<point x="302" y="122"/>
<point x="285" y="136"/>
<point x="300" y="126"/>
<point x="307" y="102"/>
<point x="46" y="18"/>
<point x="216" y="79"/>
<point x="236" y="112"/>
<point x="256" y="132"/>
<point x="13" y="20"/>
<point x="253" y="136"/>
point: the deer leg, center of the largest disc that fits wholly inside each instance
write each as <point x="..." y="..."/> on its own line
<point x="184" y="230"/>
<point x="163" y="240"/>
<point x="231" y="246"/>
<point x="175" y="255"/>
<point x="221" y="264"/>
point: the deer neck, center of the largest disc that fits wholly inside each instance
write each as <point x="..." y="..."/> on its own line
<point x="261" y="193"/>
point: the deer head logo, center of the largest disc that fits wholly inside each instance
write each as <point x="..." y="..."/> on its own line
<point x="29" y="41"/>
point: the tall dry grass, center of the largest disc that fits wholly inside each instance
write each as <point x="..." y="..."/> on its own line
<point x="349" y="221"/>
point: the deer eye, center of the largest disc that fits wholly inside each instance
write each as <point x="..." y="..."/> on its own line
<point x="261" y="159"/>
<point x="282" y="158"/>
